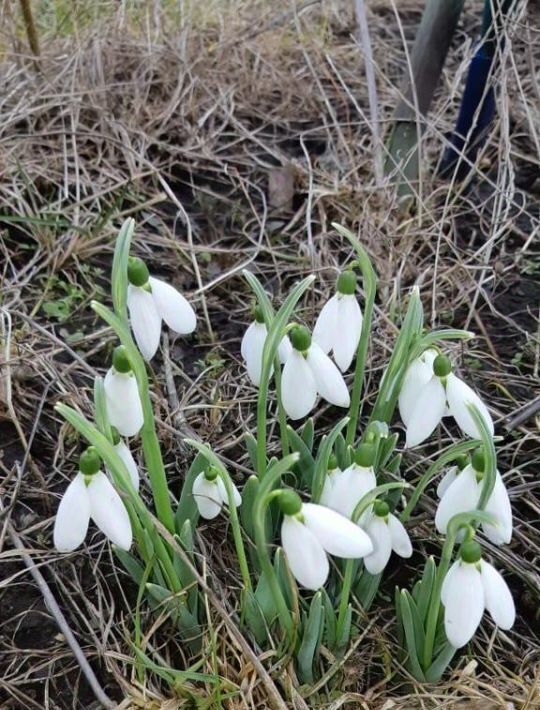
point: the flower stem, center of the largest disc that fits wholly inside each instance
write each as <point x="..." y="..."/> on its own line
<point x="451" y="453"/>
<point x="370" y="289"/>
<point x="150" y="441"/>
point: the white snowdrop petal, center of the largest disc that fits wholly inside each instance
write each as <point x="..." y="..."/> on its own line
<point x="447" y="581"/>
<point x="329" y="380"/>
<point x="124" y="407"/>
<point x="174" y="308"/>
<point x="347" y="334"/>
<point x="379" y="534"/>
<point x="127" y="457"/>
<point x="338" y="535"/>
<point x="448" y="478"/>
<point x="207" y="497"/>
<point x="350" y="485"/>
<point x="72" y="516"/>
<point x="459" y="395"/>
<point x="461" y="496"/>
<point x="237" y="498"/>
<point x="464" y="604"/>
<point x="306" y="557"/>
<point x="499" y="506"/>
<point x="298" y="388"/>
<point x="326" y="325"/>
<point x="144" y="319"/>
<point x="252" y="350"/>
<point x="401" y="542"/>
<point x="284" y="349"/>
<point x="108" y="511"/>
<point x="499" y="601"/>
<point x="418" y="374"/>
<point x="427" y="413"/>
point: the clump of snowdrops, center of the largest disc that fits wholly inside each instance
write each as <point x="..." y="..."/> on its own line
<point x="316" y="524"/>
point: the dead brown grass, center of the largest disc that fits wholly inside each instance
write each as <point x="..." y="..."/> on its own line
<point x="179" y="119"/>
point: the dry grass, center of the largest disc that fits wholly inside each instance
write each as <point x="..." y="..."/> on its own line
<point x="179" y="118"/>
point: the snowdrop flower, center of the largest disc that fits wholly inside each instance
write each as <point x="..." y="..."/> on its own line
<point x="253" y="344"/>
<point x="461" y="494"/>
<point x="387" y="534"/>
<point x="424" y="403"/>
<point x="91" y="495"/>
<point x="352" y="484"/>
<point x="308" y="372"/>
<point x="122" y="449"/>
<point x="149" y="300"/>
<point x="339" y="324"/>
<point x="122" y="399"/>
<point x="329" y="480"/>
<point x="470" y="587"/>
<point x="210" y="493"/>
<point x="309" y="532"/>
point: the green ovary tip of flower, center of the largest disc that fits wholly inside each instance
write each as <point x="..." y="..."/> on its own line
<point x="211" y="474"/>
<point x="120" y="360"/>
<point x="258" y="314"/>
<point x="470" y="552"/>
<point x="346" y="283"/>
<point x="290" y="502"/>
<point x="478" y="460"/>
<point x="442" y="366"/>
<point x="138" y="274"/>
<point x="365" y="455"/>
<point x="300" y="338"/>
<point x="90" y="461"/>
<point x="381" y="509"/>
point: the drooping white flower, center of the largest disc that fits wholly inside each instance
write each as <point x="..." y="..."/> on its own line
<point x="352" y="484"/>
<point x="210" y="493"/>
<point x="151" y="300"/>
<point x="91" y="495"/>
<point x="253" y="344"/>
<point x="471" y="586"/>
<point x="308" y="372"/>
<point x="423" y="403"/>
<point x="339" y="324"/>
<point x="309" y="532"/>
<point x="387" y="534"/>
<point x="124" y="408"/>
<point x="462" y="493"/>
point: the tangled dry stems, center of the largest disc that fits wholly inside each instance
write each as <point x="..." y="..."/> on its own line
<point x="182" y="121"/>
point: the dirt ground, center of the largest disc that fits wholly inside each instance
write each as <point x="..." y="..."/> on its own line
<point x="234" y="134"/>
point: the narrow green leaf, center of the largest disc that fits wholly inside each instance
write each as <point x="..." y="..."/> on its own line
<point x="130" y="564"/>
<point x="440" y="664"/>
<point x="254" y="617"/>
<point x="119" y="278"/>
<point x="306" y="464"/>
<point x="408" y="627"/>
<point x="367" y="588"/>
<point x="419" y="633"/>
<point x="308" y="431"/>
<point x="251" y="446"/>
<point x="311" y="633"/>
<point x="330" y="623"/>
<point x="425" y="588"/>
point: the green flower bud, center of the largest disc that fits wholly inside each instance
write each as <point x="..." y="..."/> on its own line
<point x="300" y="338"/>
<point x="346" y="283"/>
<point x="115" y="436"/>
<point x="120" y="360"/>
<point x="290" y="502"/>
<point x="365" y="455"/>
<point x="332" y="462"/>
<point x="478" y="460"/>
<point x="137" y="271"/>
<point x="470" y="551"/>
<point x="442" y="366"/>
<point x="381" y="509"/>
<point x="90" y="461"/>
